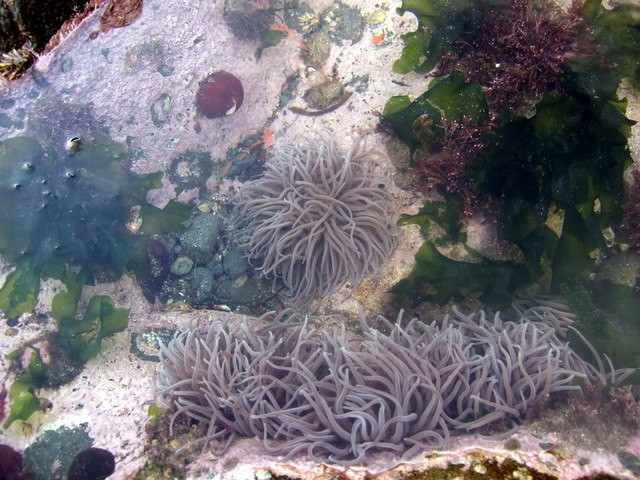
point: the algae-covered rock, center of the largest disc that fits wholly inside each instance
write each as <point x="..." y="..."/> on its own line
<point x="56" y="448"/>
<point x="199" y="239"/>
<point x="318" y="49"/>
<point x="181" y="266"/>
<point x="323" y="95"/>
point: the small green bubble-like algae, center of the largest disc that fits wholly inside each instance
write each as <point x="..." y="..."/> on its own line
<point x="56" y="448"/>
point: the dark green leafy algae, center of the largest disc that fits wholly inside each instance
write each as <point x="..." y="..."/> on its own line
<point x="62" y="212"/>
<point x="79" y="216"/>
<point x="80" y="211"/>
<point x="529" y="133"/>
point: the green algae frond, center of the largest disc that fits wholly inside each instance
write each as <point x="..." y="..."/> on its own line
<point x="81" y="217"/>
<point x="552" y="143"/>
<point x="72" y="211"/>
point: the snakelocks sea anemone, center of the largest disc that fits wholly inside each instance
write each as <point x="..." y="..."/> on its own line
<point x="402" y="390"/>
<point x="316" y="219"/>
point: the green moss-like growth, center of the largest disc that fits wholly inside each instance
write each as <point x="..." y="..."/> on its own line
<point x="55" y="449"/>
<point x="530" y="127"/>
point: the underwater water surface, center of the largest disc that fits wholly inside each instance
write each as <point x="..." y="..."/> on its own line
<point x="286" y="239"/>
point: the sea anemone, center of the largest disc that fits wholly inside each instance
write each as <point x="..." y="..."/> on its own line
<point x="316" y="219"/>
<point x="405" y="390"/>
<point x="219" y="95"/>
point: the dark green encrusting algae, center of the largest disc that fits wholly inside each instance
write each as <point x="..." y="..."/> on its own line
<point x="76" y="214"/>
<point x="523" y="126"/>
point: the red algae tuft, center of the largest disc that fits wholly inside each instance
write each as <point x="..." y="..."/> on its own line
<point x="219" y="95"/>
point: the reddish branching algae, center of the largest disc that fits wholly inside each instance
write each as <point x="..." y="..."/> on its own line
<point x="219" y="95"/>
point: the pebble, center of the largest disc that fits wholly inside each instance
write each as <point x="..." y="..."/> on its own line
<point x="181" y="266"/>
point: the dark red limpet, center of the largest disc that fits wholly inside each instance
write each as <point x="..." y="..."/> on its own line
<point x="219" y="95"/>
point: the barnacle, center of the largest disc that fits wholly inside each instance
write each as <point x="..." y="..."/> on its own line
<point x="16" y="62"/>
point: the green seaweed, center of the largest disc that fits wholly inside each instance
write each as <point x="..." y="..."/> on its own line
<point x="440" y="24"/>
<point x="83" y="336"/>
<point x="69" y="216"/>
<point x="20" y="291"/>
<point x="65" y="303"/>
<point x="69" y="211"/>
<point x="64" y="211"/>
<point x="617" y="31"/>
<point x="450" y="98"/>
<point x="443" y="214"/>
<point x="558" y="156"/>
<point x="23" y="402"/>
<point x="270" y="38"/>
<point x="437" y="278"/>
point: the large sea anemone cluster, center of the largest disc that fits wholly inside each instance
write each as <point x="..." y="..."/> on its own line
<point x="316" y="219"/>
<point x="401" y="390"/>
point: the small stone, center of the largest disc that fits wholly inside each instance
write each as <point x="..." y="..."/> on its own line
<point x="318" y="49"/>
<point x="215" y="265"/>
<point x="181" y="266"/>
<point x="200" y="239"/>
<point x="165" y="70"/>
<point x="244" y="290"/>
<point x="323" y="95"/>
<point x="235" y="264"/>
<point x="202" y="284"/>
